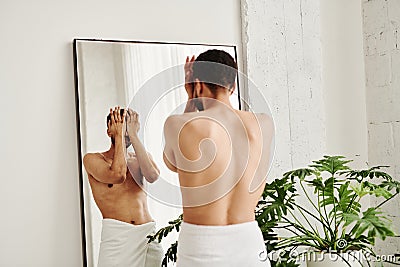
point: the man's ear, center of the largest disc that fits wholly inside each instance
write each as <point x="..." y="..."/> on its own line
<point x="232" y="89"/>
<point x="198" y="88"/>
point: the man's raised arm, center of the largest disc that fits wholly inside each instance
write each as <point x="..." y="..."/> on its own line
<point x="190" y="104"/>
<point x="98" y="167"/>
<point x="147" y="166"/>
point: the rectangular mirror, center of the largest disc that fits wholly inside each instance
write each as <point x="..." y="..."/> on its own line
<point x="110" y="73"/>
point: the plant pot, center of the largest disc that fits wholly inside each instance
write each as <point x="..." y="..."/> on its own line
<point x="327" y="259"/>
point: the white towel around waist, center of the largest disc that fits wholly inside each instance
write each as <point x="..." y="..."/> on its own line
<point x="123" y="244"/>
<point x="240" y="245"/>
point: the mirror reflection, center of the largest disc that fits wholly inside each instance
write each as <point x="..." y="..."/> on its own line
<point x="122" y="151"/>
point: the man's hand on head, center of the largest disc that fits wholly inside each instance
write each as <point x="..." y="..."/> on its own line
<point x="133" y="124"/>
<point x="189" y="85"/>
<point x="189" y="76"/>
<point x="117" y="121"/>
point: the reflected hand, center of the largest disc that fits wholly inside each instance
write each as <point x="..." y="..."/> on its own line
<point x="133" y="124"/>
<point x="117" y="121"/>
<point x="189" y="76"/>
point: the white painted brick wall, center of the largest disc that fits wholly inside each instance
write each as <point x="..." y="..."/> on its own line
<point x="396" y="152"/>
<point x="386" y="41"/>
<point x="375" y="16"/>
<point x="381" y="141"/>
<point x="394" y="13"/>
<point x="378" y="70"/>
<point x="395" y="68"/>
<point x="381" y="20"/>
<point x="282" y="49"/>
<point x="397" y="33"/>
<point x="382" y="99"/>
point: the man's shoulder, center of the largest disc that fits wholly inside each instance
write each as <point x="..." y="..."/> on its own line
<point x="91" y="156"/>
<point x="260" y="117"/>
<point x="265" y="124"/>
<point x="181" y="117"/>
<point x="175" y="125"/>
<point x="177" y="120"/>
<point x="186" y="119"/>
<point x="262" y="121"/>
<point x="265" y="121"/>
<point x="263" y="117"/>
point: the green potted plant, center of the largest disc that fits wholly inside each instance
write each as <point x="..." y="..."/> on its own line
<point x="332" y="221"/>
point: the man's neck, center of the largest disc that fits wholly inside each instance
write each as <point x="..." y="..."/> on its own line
<point x="220" y="99"/>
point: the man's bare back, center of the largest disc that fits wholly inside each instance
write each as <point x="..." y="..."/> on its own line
<point x="235" y="146"/>
<point x="222" y="157"/>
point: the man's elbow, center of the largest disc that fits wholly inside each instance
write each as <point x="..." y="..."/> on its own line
<point x="172" y="168"/>
<point x="152" y="176"/>
<point x="169" y="165"/>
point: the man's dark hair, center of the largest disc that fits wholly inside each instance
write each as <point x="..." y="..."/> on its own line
<point x="223" y="74"/>
<point x="121" y="111"/>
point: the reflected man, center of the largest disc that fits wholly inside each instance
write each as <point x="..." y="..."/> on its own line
<point x="222" y="157"/>
<point x="116" y="185"/>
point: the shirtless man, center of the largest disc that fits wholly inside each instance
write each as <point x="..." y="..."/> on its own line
<point x="222" y="158"/>
<point x="116" y="185"/>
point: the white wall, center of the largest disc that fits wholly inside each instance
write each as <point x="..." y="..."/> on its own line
<point x="381" y="20"/>
<point x="344" y="79"/>
<point x="283" y="45"/>
<point x="40" y="223"/>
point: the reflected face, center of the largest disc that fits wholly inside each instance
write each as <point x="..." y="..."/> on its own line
<point x="127" y="140"/>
